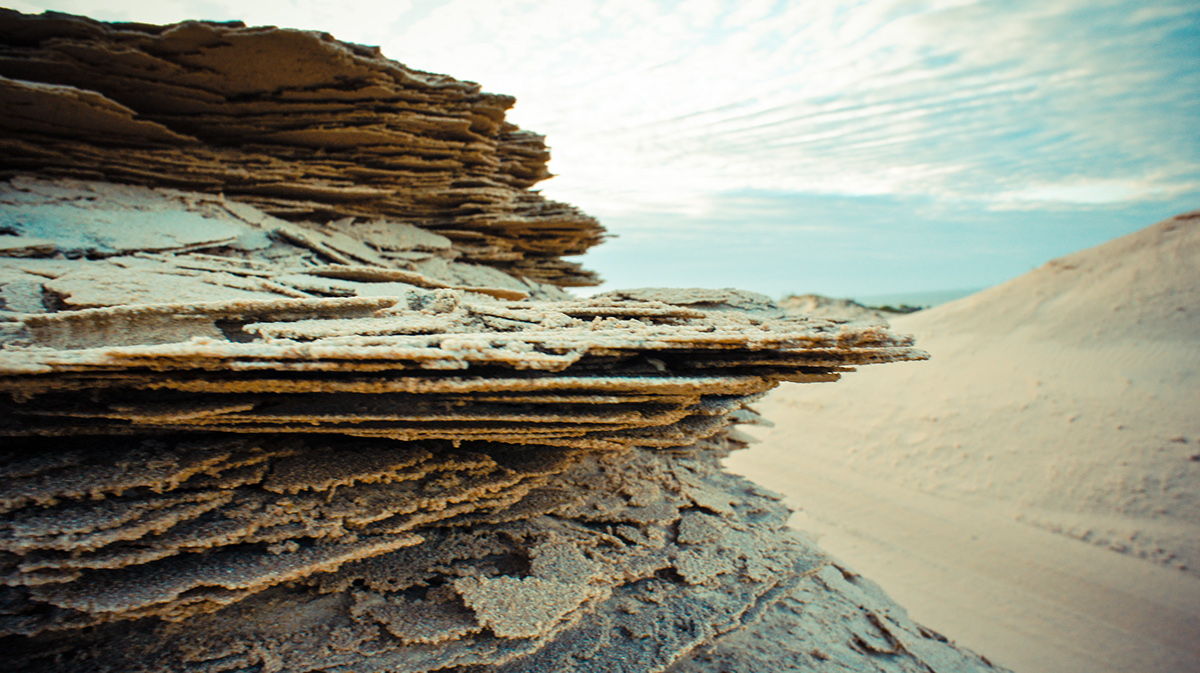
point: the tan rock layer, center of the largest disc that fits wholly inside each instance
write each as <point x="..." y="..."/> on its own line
<point x="646" y="557"/>
<point x="480" y="589"/>
<point x="692" y="368"/>
<point x="173" y="529"/>
<point x="294" y="122"/>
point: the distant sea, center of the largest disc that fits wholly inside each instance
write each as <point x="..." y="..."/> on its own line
<point x="922" y="299"/>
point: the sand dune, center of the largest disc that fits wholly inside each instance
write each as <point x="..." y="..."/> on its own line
<point x="1067" y="400"/>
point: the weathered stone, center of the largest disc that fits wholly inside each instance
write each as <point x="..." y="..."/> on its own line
<point x="287" y="384"/>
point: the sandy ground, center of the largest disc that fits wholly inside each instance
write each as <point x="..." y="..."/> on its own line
<point x="1033" y="491"/>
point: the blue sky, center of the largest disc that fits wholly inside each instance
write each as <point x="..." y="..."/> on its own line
<point x="848" y="147"/>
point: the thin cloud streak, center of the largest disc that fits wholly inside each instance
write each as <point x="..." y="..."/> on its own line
<point x="1004" y="119"/>
<point x="662" y="102"/>
<point x="889" y="125"/>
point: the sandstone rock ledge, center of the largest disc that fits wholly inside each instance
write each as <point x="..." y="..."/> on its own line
<point x="287" y="384"/>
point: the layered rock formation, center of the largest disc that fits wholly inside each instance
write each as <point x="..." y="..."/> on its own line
<point x="296" y="123"/>
<point x="320" y="406"/>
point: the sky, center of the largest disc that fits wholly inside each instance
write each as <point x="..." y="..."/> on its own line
<point x="845" y="147"/>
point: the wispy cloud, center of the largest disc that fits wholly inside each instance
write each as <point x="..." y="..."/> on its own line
<point x="1086" y="192"/>
<point x="655" y="104"/>
<point x="648" y="106"/>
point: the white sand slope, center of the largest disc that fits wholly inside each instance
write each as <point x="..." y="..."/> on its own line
<point x="1068" y="400"/>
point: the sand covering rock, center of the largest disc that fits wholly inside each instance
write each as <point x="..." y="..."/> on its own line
<point x="339" y="442"/>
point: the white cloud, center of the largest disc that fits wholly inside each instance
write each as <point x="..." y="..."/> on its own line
<point x="656" y="105"/>
<point x="1093" y="192"/>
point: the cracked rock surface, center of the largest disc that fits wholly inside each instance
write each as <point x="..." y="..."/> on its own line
<point x="288" y="382"/>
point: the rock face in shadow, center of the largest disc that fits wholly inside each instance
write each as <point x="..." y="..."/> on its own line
<point x="288" y="383"/>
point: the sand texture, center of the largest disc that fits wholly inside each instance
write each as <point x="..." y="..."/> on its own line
<point x="1054" y="428"/>
<point x="288" y="382"/>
